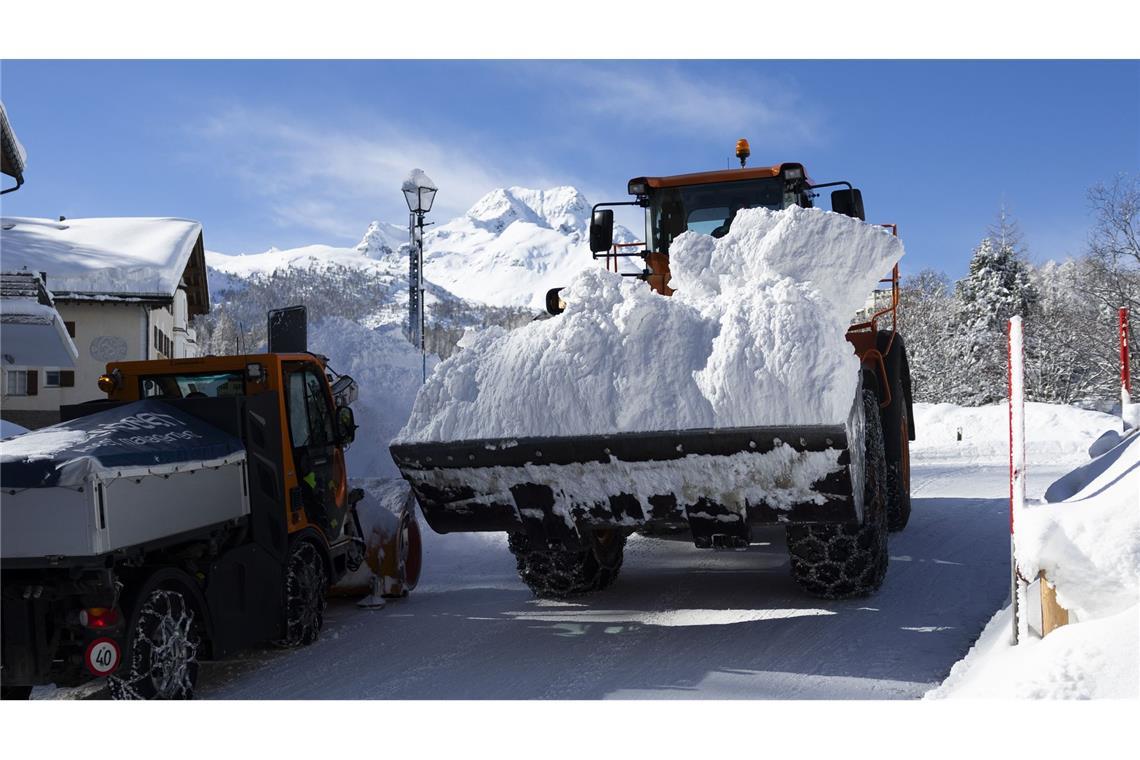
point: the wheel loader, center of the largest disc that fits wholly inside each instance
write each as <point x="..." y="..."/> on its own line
<point x="837" y="539"/>
<point x="201" y="507"/>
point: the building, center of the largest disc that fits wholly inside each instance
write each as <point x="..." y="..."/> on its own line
<point x="125" y="288"/>
<point x="32" y="331"/>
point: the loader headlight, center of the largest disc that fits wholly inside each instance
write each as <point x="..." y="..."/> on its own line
<point x="638" y="187"/>
<point x="793" y="172"/>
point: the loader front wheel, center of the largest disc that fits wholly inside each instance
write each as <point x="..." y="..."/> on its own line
<point x="841" y="561"/>
<point x="558" y="572"/>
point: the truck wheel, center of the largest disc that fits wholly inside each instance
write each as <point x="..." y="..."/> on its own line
<point x="164" y="643"/>
<point x="558" y="572"/>
<point x="840" y="561"/>
<point x="306" y="588"/>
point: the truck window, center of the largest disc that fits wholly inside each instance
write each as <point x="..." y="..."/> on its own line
<point x="310" y="419"/>
<point x="208" y="384"/>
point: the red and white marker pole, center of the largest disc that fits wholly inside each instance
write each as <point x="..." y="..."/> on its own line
<point x="1016" y="457"/>
<point x="1125" y="370"/>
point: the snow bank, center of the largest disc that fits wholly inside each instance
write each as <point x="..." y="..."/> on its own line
<point x="388" y="371"/>
<point x="1090" y="660"/>
<point x="1054" y="433"/>
<point x="1089" y="547"/>
<point x="753" y="336"/>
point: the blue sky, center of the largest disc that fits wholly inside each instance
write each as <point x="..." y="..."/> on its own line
<point x="289" y="153"/>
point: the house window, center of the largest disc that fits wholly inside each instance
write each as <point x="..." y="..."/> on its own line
<point x="70" y="328"/>
<point x="21" y="382"/>
<point x="51" y="378"/>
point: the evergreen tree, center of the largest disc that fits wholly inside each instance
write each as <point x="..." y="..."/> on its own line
<point x="997" y="287"/>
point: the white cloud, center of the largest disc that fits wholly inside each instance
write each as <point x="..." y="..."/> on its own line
<point x="334" y="180"/>
<point x="660" y="97"/>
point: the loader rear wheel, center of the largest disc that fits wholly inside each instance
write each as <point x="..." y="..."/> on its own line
<point x="559" y="572"/>
<point x="841" y="561"/>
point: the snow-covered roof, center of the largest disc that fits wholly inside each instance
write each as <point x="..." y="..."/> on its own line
<point x="31" y="330"/>
<point x="124" y="257"/>
<point x="13" y="157"/>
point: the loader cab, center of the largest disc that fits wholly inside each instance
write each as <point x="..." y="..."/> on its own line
<point x="708" y="202"/>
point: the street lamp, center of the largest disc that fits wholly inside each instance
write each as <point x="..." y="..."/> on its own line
<point x="419" y="192"/>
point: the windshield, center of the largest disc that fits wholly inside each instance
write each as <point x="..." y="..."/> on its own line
<point x="214" y="385"/>
<point x="709" y="209"/>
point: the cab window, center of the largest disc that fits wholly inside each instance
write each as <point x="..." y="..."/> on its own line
<point x="310" y="419"/>
<point x="197" y="385"/>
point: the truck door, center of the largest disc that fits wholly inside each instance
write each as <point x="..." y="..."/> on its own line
<point x="318" y="461"/>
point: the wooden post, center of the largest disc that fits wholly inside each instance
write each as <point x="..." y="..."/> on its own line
<point x="1053" y="615"/>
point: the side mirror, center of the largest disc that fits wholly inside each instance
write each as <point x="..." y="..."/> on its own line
<point x="602" y="230"/>
<point x="554" y="303"/>
<point x="345" y="425"/>
<point x="849" y="202"/>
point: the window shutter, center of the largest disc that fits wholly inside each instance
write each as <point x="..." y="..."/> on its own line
<point x="33" y="382"/>
<point x="66" y="378"/>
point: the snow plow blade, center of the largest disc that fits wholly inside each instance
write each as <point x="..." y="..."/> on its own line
<point x="718" y="482"/>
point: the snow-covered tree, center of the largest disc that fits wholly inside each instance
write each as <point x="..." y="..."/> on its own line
<point x="997" y="287"/>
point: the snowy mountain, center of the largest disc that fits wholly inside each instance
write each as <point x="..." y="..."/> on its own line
<point x="511" y="247"/>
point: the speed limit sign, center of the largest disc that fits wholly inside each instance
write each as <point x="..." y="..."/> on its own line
<point x="102" y="656"/>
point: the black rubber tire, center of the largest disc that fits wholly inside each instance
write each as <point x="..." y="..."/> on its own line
<point x="896" y="434"/>
<point x="897" y="487"/>
<point x="164" y="640"/>
<point x="555" y="573"/>
<point x="15" y="692"/>
<point x="306" y="594"/>
<point x="842" y="561"/>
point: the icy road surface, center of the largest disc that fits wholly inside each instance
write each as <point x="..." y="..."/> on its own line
<point x="678" y="623"/>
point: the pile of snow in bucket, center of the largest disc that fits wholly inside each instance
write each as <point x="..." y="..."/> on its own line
<point x="1089" y="547"/>
<point x="754" y="335"/>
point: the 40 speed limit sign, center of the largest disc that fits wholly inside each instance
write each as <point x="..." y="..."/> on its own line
<point x="102" y="656"/>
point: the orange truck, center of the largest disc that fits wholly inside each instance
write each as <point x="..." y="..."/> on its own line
<point x="202" y="507"/>
<point x="568" y="543"/>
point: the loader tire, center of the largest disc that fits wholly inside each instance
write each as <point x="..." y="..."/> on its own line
<point x="841" y="561"/>
<point x="557" y="572"/>
<point x="896" y="442"/>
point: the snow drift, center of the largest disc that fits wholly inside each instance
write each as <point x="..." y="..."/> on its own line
<point x="753" y="336"/>
<point x="1089" y="547"/>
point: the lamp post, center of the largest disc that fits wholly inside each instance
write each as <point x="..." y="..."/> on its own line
<point x="419" y="192"/>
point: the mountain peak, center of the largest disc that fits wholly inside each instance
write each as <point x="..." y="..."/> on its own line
<point x="381" y="239"/>
<point x="563" y="209"/>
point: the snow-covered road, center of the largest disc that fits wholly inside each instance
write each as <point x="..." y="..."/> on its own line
<point x="679" y="623"/>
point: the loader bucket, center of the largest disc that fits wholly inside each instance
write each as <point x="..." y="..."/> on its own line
<point x="718" y="482"/>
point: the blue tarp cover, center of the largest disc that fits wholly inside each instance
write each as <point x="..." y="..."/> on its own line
<point x="137" y="435"/>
